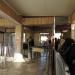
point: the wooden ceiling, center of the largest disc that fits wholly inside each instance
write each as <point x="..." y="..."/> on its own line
<point x="35" y="20"/>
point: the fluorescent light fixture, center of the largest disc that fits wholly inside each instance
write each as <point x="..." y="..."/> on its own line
<point x="44" y="33"/>
<point x="65" y="31"/>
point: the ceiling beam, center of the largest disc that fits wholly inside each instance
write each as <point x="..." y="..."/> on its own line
<point x="37" y="21"/>
<point x="6" y="23"/>
<point x="8" y="11"/>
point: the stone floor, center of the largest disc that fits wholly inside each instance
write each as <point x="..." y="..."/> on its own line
<point x="34" y="67"/>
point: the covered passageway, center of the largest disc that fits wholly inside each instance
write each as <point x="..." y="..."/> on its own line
<point x="25" y="28"/>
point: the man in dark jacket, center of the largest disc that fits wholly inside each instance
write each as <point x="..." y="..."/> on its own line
<point x="31" y="44"/>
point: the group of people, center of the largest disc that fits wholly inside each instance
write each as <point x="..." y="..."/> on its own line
<point x="53" y="42"/>
<point x="31" y="44"/>
<point x="66" y="48"/>
<point x="59" y="42"/>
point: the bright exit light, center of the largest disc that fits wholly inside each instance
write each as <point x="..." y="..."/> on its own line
<point x="43" y="38"/>
<point x="57" y="35"/>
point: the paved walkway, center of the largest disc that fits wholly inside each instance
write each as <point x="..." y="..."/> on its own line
<point x="36" y="67"/>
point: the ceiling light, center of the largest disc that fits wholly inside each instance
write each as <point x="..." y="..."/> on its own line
<point x="65" y="31"/>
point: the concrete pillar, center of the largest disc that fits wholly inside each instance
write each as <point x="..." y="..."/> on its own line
<point x="18" y="57"/>
<point x="18" y="38"/>
<point x="36" y="38"/>
<point x="73" y="31"/>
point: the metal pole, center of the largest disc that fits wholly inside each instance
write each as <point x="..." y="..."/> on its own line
<point x="54" y="62"/>
<point x="53" y="51"/>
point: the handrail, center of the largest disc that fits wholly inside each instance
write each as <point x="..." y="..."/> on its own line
<point x="60" y="64"/>
<point x="55" y="64"/>
<point x="50" y="68"/>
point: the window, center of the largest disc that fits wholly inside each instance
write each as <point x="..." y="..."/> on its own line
<point x="57" y="35"/>
<point x="24" y="39"/>
<point x="43" y="37"/>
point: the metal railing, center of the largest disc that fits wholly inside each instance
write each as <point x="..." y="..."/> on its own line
<point x="50" y="67"/>
<point x="55" y="64"/>
<point x="60" y="64"/>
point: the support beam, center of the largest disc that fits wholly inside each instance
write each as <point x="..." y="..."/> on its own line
<point x="6" y="23"/>
<point x="18" y="38"/>
<point x="69" y="20"/>
<point x="8" y="11"/>
<point x="18" y="57"/>
<point x="73" y="31"/>
<point x="73" y="26"/>
<point x="73" y="18"/>
<point x="37" y="21"/>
